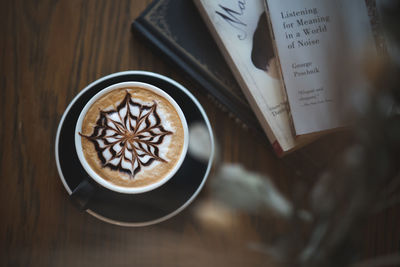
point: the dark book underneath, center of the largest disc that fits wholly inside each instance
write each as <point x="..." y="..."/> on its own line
<point x="177" y="32"/>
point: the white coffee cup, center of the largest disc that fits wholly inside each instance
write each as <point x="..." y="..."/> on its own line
<point x="103" y="182"/>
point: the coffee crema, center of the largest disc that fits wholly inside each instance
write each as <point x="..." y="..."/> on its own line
<point x="132" y="137"/>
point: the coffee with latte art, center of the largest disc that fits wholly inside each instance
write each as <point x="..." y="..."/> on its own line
<point x="132" y="137"/>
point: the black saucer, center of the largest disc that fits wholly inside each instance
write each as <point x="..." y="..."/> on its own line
<point x="135" y="209"/>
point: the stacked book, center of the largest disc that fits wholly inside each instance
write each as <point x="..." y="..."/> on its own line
<point x="274" y="64"/>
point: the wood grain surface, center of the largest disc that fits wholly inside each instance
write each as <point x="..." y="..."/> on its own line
<point x="49" y="51"/>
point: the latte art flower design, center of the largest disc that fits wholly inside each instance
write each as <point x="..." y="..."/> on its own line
<point x="128" y="137"/>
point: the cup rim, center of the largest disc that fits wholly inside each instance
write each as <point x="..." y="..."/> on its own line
<point x="96" y="177"/>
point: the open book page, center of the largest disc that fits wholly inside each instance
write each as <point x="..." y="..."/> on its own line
<point x="319" y="42"/>
<point x="242" y="32"/>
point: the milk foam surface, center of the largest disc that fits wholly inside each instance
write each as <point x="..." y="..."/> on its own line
<point x="132" y="137"/>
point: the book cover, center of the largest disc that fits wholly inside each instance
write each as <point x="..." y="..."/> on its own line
<point x="321" y="46"/>
<point x="241" y="30"/>
<point x="176" y="31"/>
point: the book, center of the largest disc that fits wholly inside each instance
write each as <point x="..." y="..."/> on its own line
<point x="175" y="31"/>
<point x="241" y="31"/>
<point x="321" y="47"/>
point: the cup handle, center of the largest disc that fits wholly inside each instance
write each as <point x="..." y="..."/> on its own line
<point x="82" y="194"/>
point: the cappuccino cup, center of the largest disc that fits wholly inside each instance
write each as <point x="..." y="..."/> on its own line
<point x="130" y="138"/>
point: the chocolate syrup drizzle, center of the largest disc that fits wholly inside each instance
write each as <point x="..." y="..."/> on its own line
<point x="128" y="137"/>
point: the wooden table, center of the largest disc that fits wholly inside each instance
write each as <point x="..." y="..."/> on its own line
<point x="49" y="51"/>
